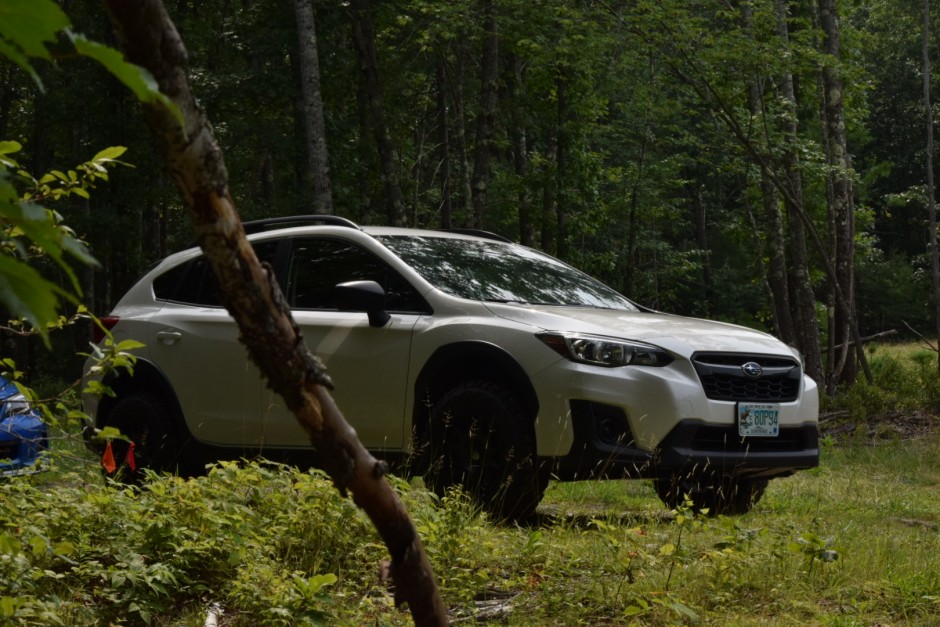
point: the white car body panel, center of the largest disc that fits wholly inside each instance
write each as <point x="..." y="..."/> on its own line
<point x="369" y="368"/>
<point x="224" y="402"/>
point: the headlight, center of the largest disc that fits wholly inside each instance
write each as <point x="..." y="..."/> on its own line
<point x="604" y="351"/>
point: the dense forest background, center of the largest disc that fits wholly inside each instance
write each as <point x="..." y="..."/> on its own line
<point x="762" y="162"/>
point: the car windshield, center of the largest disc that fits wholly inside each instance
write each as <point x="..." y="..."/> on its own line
<point x="501" y="272"/>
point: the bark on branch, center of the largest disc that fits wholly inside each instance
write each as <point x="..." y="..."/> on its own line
<point x="274" y="341"/>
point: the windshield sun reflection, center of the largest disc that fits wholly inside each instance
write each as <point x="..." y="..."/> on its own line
<point x="501" y="272"/>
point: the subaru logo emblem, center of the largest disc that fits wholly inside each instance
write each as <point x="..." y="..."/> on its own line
<point x="752" y="369"/>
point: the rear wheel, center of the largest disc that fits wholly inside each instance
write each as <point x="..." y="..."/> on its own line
<point x="720" y="494"/>
<point x="146" y="421"/>
<point x="480" y="440"/>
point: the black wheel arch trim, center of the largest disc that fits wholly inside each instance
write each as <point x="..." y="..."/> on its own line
<point x="147" y="377"/>
<point x="468" y="360"/>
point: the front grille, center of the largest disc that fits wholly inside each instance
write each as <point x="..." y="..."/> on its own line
<point x="723" y="377"/>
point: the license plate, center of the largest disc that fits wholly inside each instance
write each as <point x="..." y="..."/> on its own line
<point x="758" y="420"/>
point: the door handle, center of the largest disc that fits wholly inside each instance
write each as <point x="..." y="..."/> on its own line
<point x="169" y="337"/>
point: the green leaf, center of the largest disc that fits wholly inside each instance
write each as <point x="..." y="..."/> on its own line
<point x="109" y="154"/>
<point x="318" y="582"/>
<point x="7" y="606"/>
<point x="136" y="78"/>
<point x="25" y="27"/>
<point x="38" y="545"/>
<point x="29" y="24"/>
<point x="9" y="147"/>
<point x="27" y="295"/>
<point x="127" y="345"/>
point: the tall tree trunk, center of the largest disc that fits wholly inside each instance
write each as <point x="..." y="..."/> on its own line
<point x="7" y="95"/>
<point x="561" y="167"/>
<point x="520" y="152"/>
<point x="460" y="127"/>
<point x="775" y="237"/>
<point x="364" y="38"/>
<point x="314" y="126"/>
<point x="443" y="130"/>
<point x="266" y="178"/>
<point x="633" y="218"/>
<point x="931" y="200"/>
<point x="363" y="169"/>
<point x="548" y="179"/>
<point x="489" y="91"/>
<point x="700" y="219"/>
<point x="843" y="205"/>
<point x="254" y="300"/>
<point x="802" y="298"/>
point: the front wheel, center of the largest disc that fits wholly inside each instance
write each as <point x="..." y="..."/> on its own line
<point x="146" y="421"/>
<point x="719" y="494"/>
<point x="481" y="441"/>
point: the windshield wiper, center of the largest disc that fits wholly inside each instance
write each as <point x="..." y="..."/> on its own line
<point x="508" y="301"/>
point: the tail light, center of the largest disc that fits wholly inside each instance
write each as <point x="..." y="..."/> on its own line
<point x="108" y="322"/>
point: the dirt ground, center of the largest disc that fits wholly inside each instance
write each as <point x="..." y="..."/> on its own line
<point x="893" y="425"/>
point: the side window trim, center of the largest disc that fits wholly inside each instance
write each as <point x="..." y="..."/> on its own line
<point x="286" y="267"/>
<point x="195" y="276"/>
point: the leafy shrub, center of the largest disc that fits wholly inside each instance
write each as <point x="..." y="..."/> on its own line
<point x="262" y="539"/>
<point x="904" y="380"/>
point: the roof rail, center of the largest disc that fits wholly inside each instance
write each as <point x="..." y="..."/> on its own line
<point x="478" y="233"/>
<point x="257" y="226"/>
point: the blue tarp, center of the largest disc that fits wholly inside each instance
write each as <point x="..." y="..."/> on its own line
<point x="23" y="435"/>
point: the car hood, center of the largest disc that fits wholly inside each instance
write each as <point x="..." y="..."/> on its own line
<point x="676" y="334"/>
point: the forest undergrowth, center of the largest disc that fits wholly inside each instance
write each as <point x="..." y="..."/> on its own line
<point x="853" y="542"/>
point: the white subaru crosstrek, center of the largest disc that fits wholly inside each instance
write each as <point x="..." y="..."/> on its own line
<point x="467" y="359"/>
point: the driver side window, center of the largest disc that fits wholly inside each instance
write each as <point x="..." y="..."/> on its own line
<point x="317" y="265"/>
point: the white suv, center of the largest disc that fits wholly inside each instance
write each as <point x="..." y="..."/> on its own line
<point x="467" y="359"/>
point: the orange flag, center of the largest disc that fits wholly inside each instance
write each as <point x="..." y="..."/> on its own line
<point x="129" y="460"/>
<point x="107" y="460"/>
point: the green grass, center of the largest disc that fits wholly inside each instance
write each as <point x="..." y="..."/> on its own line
<point x="854" y="542"/>
<point x="877" y="506"/>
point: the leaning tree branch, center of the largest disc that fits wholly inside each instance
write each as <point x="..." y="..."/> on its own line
<point x="923" y="339"/>
<point x="254" y="300"/>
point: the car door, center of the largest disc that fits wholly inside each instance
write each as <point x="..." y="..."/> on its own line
<point x="368" y="365"/>
<point x="194" y="341"/>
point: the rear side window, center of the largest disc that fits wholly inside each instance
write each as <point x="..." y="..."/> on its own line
<point x="193" y="283"/>
<point x="319" y="264"/>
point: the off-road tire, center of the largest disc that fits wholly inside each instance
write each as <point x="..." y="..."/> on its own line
<point x="719" y="494"/>
<point x="146" y="420"/>
<point x="480" y="439"/>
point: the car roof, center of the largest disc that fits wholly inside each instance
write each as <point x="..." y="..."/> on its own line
<point x="257" y="231"/>
<point x="281" y="224"/>
<point x="377" y="232"/>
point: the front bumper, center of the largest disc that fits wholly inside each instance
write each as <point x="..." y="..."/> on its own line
<point x="604" y="448"/>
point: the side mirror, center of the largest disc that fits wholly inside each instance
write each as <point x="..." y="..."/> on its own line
<point x="367" y="296"/>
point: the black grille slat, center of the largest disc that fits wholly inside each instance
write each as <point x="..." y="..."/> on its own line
<point x="723" y="387"/>
<point x="723" y="379"/>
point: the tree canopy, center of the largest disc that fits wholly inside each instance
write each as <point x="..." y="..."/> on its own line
<point x="693" y="155"/>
